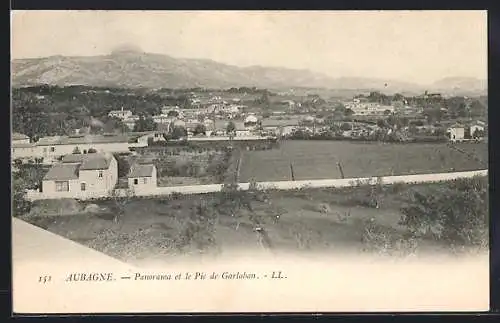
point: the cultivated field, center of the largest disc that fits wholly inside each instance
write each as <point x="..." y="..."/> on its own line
<point x="318" y="159"/>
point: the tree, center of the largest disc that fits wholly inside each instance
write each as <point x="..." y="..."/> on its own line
<point x="20" y="205"/>
<point x="349" y="112"/>
<point x="91" y="151"/>
<point x="478" y="134"/>
<point x="387" y="112"/>
<point x="346" y="126"/>
<point x="456" y="212"/>
<point x="113" y="124"/>
<point x="200" y="129"/>
<point x="121" y="199"/>
<point x="231" y="127"/>
<point x="123" y="166"/>
<point x="340" y="108"/>
<point x="198" y="230"/>
<point x="179" y="132"/>
<point x="173" y="114"/>
<point x="381" y="123"/>
<point x="145" y="124"/>
<point x="398" y="97"/>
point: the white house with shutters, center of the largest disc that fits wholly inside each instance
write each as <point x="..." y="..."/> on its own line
<point x="82" y="176"/>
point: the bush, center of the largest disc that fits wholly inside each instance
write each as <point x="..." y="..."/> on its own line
<point x="198" y="230"/>
<point x="20" y="206"/>
<point x="455" y="212"/>
<point x="382" y="240"/>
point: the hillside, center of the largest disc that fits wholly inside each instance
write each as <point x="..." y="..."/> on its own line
<point x="131" y="68"/>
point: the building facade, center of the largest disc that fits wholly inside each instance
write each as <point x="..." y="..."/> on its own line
<point x="142" y="178"/>
<point x="52" y="148"/>
<point x="120" y="114"/>
<point x="82" y="176"/>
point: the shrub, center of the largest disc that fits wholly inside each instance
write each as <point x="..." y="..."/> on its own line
<point x="382" y="240"/>
<point x="455" y="212"/>
<point x="198" y="230"/>
<point x="20" y="206"/>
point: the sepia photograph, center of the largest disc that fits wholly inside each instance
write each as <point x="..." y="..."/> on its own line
<point x="249" y="161"/>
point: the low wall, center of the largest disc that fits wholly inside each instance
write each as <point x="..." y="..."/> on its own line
<point x="291" y="185"/>
<point x="226" y="138"/>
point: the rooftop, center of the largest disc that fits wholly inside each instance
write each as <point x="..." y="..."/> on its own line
<point x="81" y="139"/>
<point x="63" y="172"/>
<point x="19" y="136"/>
<point x="22" y="145"/>
<point x="141" y="170"/>
<point x="91" y="161"/>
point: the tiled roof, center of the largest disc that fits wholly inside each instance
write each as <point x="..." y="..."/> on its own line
<point x="141" y="171"/>
<point x="92" y="161"/>
<point x="22" y="145"/>
<point x="63" y="172"/>
<point x="75" y="140"/>
<point x="19" y="136"/>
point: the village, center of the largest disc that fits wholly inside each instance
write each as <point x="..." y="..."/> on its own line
<point x="222" y="120"/>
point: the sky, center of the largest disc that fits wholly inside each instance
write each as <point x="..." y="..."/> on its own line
<point x="414" y="46"/>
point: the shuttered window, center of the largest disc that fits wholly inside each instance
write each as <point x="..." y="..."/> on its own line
<point x="62" y="186"/>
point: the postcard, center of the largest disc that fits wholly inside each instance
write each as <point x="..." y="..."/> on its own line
<point x="249" y="161"/>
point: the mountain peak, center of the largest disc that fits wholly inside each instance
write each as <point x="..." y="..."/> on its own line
<point x="127" y="49"/>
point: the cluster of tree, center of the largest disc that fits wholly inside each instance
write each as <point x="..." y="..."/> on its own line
<point x="145" y="123"/>
<point x="435" y="106"/>
<point x="249" y="90"/>
<point x="52" y="110"/>
<point x="456" y="212"/>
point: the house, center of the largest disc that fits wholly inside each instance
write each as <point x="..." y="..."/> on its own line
<point x="456" y="132"/>
<point x="287" y="130"/>
<point x="23" y="151"/>
<point x="120" y="114"/>
<point x="57" y="146"/>
<point x="81" y="176"/>
<point x="19" y="138"/>
<point x="141" y="139"/>
<point x="142" y="177"/>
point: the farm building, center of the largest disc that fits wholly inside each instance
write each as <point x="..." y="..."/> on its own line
<point x="23" y="151"/>
<point x="456" y="132"/>
<point x="57" y="146"/>
<point x="142" y="177"/>
<point x="81" y="176"/>
<point x="19" y="138"/>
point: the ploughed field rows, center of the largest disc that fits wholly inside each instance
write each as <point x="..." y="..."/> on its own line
<point x="318" y="159"/>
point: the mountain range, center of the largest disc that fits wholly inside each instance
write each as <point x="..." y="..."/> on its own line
<point x="131" y="69"/>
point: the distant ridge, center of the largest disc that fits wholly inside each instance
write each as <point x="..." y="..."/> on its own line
<point x="128" y="67"/>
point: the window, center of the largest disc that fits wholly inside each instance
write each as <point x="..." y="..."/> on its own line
<point x="62" y="186"/>
<point x="136" y="181"/>
<point x="144" y="180"/>
<point x="83" y="186"/>
<point x="52" y="149"/>
<point x="100" y="174"/>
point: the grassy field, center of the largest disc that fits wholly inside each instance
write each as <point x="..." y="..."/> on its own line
<point x="309" y="220"/>
<point x="318" y="159"/>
